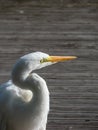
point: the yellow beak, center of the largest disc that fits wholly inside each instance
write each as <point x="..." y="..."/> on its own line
<point x="60" y="58"/>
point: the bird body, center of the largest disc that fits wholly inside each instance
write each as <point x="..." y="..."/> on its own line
<point x="24" y="100"/>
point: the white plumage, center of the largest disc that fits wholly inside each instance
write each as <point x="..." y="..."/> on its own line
<point x="24" y="100"/>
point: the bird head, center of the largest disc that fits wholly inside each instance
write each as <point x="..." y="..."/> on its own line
<point x="33" y="61"/>
<point x="39" y="59"/>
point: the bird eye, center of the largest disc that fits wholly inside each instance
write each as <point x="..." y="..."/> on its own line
<point x="43" y="60"/>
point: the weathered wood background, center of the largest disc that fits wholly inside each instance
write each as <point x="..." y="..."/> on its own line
<point x="57" y="27"/>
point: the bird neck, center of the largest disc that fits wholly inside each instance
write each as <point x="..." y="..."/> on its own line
<point x="20" y="73"/>
<point x="24" y="79"/>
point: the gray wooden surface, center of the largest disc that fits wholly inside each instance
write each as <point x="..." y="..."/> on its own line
<point x="58" y="29"/>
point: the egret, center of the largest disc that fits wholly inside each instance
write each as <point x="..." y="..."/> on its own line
<point x="24" y="100"/>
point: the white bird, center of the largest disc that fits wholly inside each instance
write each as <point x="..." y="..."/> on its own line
<point x="24" y="100"/>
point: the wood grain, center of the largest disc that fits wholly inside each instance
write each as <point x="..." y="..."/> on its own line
<point x="56" y="29"/>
